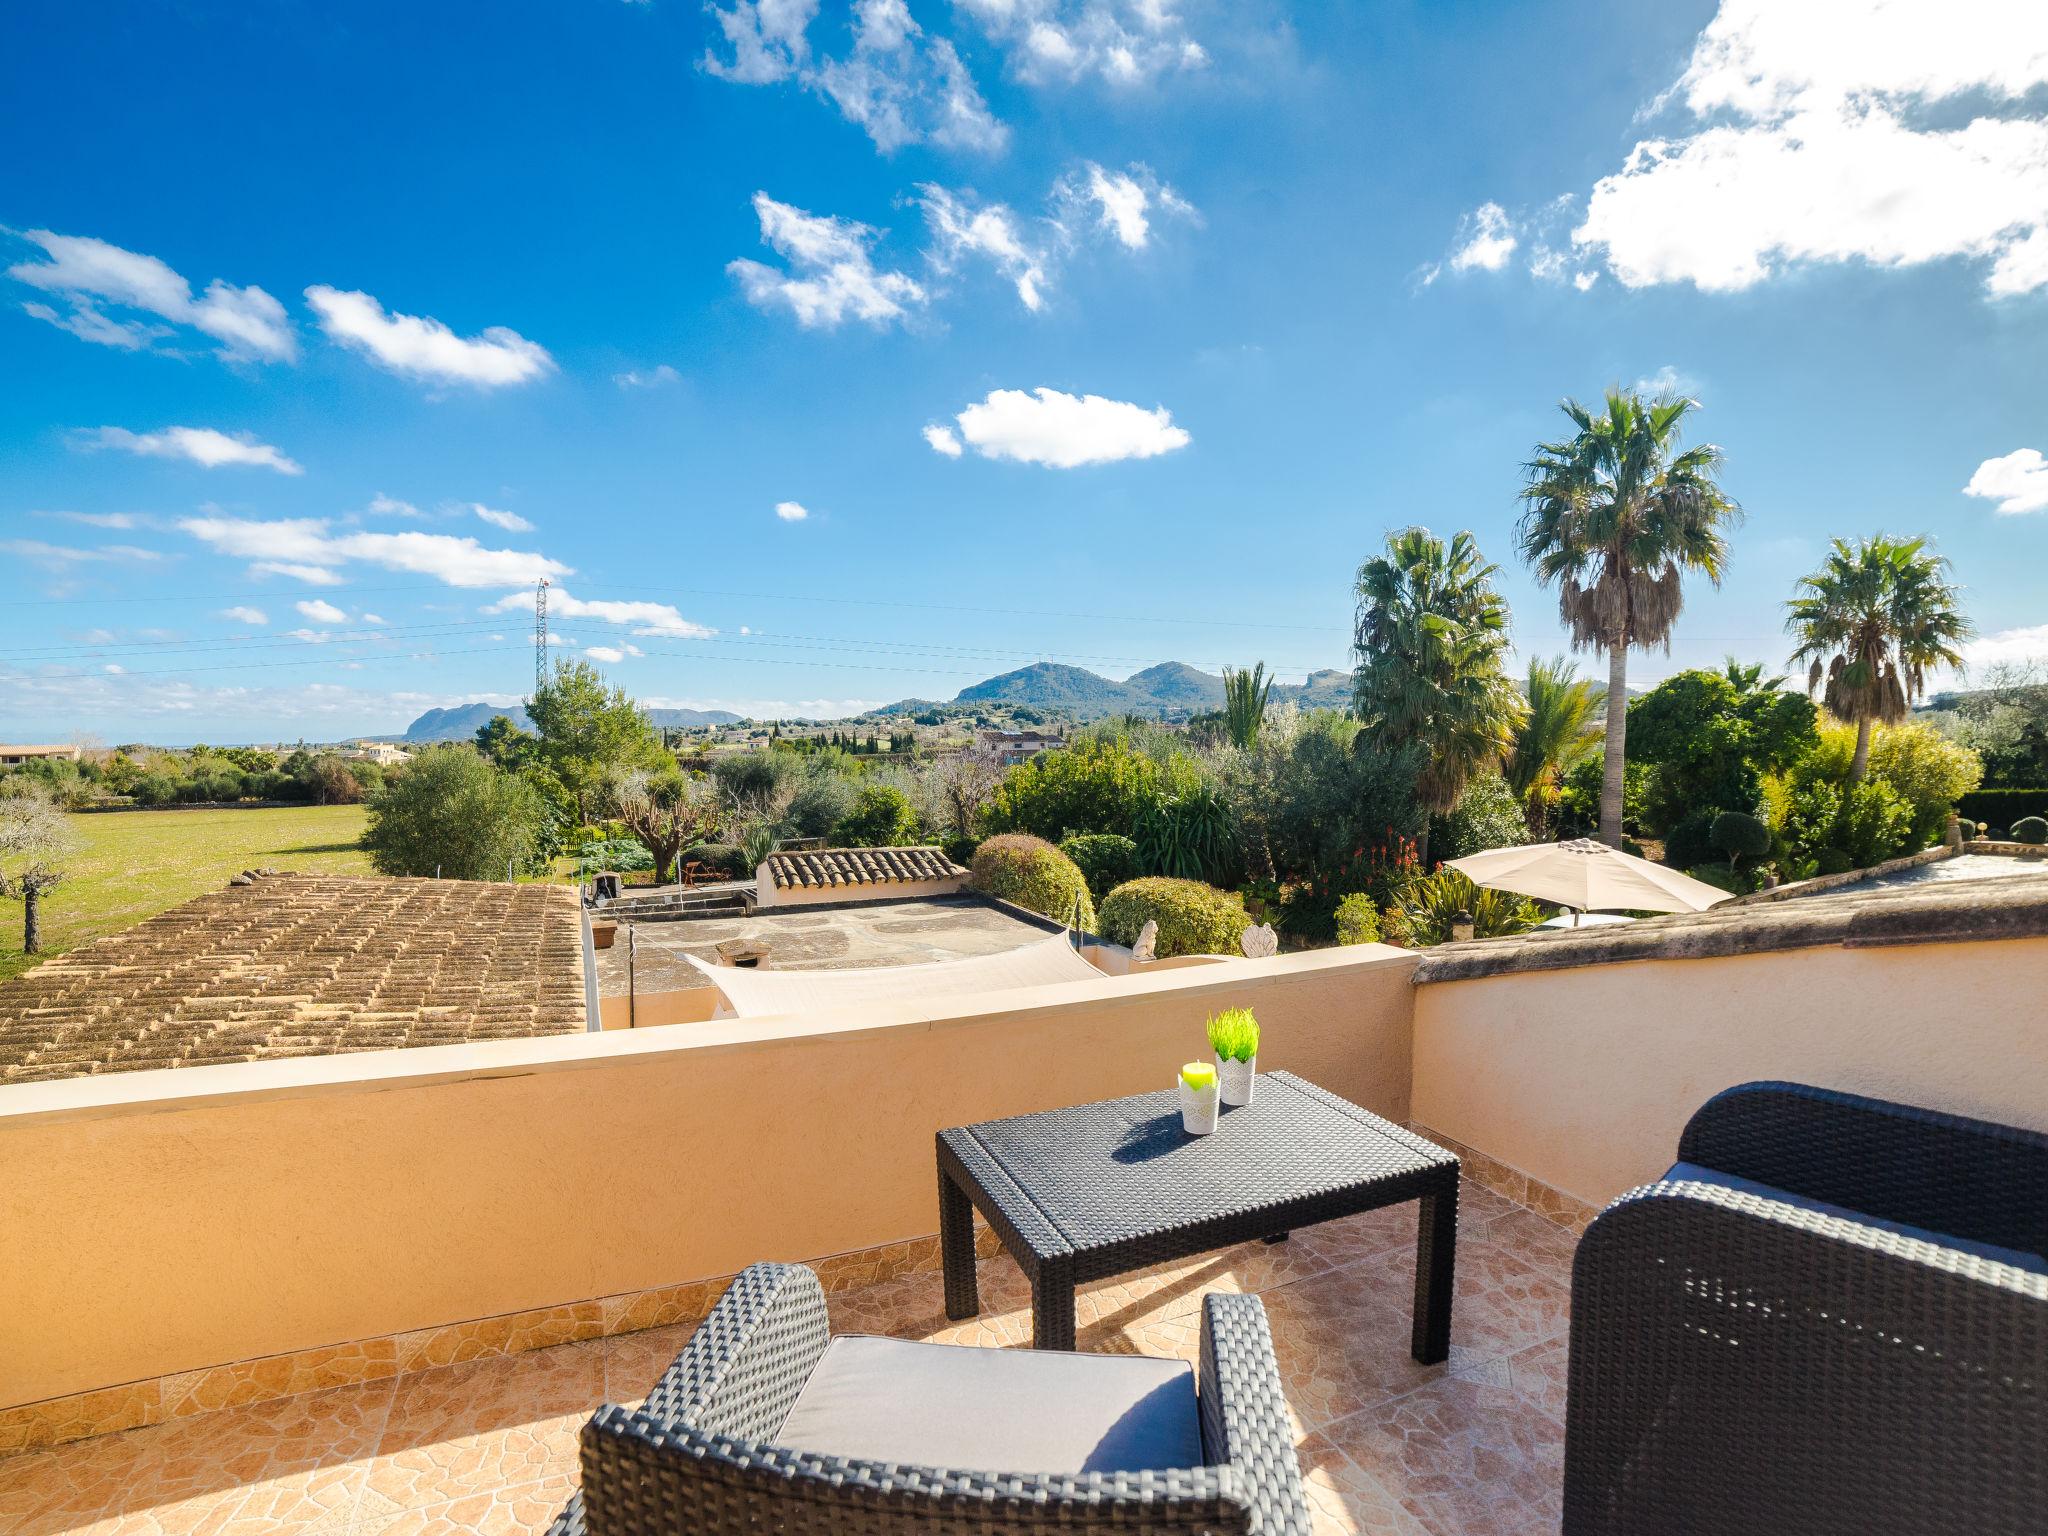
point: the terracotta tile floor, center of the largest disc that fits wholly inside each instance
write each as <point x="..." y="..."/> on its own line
<point x="1471" y="1448"/>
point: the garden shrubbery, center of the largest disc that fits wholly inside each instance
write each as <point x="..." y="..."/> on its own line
<point x="1358" y="920"/>
<point x="1016" y="866"/>
<point x="1421" y="915"/>
<point x="1193" y="918"/>
<point x="721" y="859"/>
<point x="1106" y="859"/>
<point x="2030" y="829"/>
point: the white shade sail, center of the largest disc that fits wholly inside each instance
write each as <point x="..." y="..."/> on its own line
<point x="1588" y="875"/>
<point x="753" y="994"/>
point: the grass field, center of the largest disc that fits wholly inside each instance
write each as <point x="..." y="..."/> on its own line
<point x="134" y="864"/>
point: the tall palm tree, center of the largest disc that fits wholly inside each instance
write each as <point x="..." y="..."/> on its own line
<point x="1562" y="727"/>
<point x="1431" y="634"/>
<point x="1244" y="703"/>
<point x="1873" y="621"/>
<point x="1616" y="515"/>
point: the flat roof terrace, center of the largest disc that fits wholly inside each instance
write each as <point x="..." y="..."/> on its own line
<point x="851" y="937"/>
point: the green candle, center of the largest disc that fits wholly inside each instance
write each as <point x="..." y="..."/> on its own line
<point x="1199" y="1075"/>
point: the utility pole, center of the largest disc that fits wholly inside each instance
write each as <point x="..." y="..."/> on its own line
<point x="540" y="636"/>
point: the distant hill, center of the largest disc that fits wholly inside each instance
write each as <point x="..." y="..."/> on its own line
<point x="465" y="720"/>
<point x="1171" y="689"/>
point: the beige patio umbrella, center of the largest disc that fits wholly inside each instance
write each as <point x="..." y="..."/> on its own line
<point x="1588" y="876"/>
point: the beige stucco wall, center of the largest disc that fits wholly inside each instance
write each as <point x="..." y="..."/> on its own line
<point x="167" y="1221"/>
<point x="801" y="896"/>
<point x="1584" y="1078"/>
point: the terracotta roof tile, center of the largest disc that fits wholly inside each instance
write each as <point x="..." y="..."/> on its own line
<point x="295" y="965"/>
<point x="826" y="867"/>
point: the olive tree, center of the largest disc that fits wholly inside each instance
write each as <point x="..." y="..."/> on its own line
<point x="453" y="814"/>
<point x="33" y="838"/>
<point x="667" y="811"/>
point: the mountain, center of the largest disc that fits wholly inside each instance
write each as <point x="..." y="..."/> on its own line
<point x="465" y="720"/>
<point x="1171" y="690"/>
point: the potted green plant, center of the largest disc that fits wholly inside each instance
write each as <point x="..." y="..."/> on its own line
<point x="1198" y="1098"/>
<point x="1234" y="1037"/>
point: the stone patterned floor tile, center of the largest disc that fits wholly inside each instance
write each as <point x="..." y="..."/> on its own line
<point x="1463" y="1457"/>
<point x="1389" y="1448"/>
<point x="1345" y="1500"/>
<point x="1342" y="1338"/>
<point x="520" y="1510"/>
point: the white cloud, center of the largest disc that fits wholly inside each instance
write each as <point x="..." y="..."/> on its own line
<point x="1122" y="202"/>
<point x="2010" y="646"/>
<point x="307" y="549"/>
<point x="1667" y="381"/>
<point x="960" y="229"/>
<point x="2018" y="481"/>
<point x="604" y="653"/>
<point x="390" y="506"/>
<point x="767" y="40"/>
<point x="62" y="557"/>
<point x="1124" y="44"/>
<point x="245" y="615"/>
<point x="893" y="81"/>
<point x="642" y="618"/>
<point x="511" y="522"/>
<point x="1835" y="131"/>
<point x="647" y="378"/>
<point x="200" y="445"/>
<point x="308" y="636"/>
<point x="248" y="323"/>
<point x="1486" y="241"/>
<point x="791" y="511"/>
<point x="1065" y="431"/>
<point x="773" y="709"/>
<point x="321" y="611"/>
<point x="115" y="669"/>
<point x="375" y="618"/>
<point x="420" y="347"/>
<point x="943" y="440"/>
<point x="311" y="575"/>
<point x="831" y="274"/>
<point x="119" y="521"/>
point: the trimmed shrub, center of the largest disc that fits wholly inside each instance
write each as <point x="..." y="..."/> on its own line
<point x="1193" y="918"/>
<point x="722" y="859"/>
<point x="1740" y="836"/>
<point x="1107" y="859"/>
<point x="1832" y="861"/>
<point x="1358" y="920"/>
<point x="961" y="849"/>
<point x="1691" y="841"/>
<point x="1016" y="866"/>
<point x="2030" y="829"/>
<point x="2003" y="807"/>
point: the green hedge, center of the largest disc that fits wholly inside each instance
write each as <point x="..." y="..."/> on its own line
<point x="2003" y="807"/>
<point x="1016" y="866"/>
<point x="1193" y="918"/>
<point x="1107" y="859"/>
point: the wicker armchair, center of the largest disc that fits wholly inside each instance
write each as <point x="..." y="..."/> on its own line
<point x="1830" y="1316"/>
<point x="720" y="1444"/>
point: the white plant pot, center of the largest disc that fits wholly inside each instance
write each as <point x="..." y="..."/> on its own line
<point x="1235" y="1079"/>
<point x="1198" y="1108"/>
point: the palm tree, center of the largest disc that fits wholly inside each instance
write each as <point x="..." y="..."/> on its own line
<point x="1562" y="726"/>
<point x="1616" y="514"/>
<point x="1431" y="635"/>
<point x="1872" y="621"/>
<point x="1244" y="703"/>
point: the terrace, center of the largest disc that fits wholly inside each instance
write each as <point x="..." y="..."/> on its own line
<point x="381" y="1292"/>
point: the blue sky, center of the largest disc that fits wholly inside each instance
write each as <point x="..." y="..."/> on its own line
<point x="1103" y="331"/>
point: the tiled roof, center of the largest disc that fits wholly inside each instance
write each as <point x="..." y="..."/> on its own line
<point x="302" y="965"/>
<point x="860" y="866"/>
<point x="1946" y="912"/>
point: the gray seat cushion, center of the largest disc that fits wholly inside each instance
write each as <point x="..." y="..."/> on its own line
<point x="996" y="1410"/>
<point x="2032" y="1263"/>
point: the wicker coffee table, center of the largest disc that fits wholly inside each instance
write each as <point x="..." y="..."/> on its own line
<point x="1082" y="1194"/>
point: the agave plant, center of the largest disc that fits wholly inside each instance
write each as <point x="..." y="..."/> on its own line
<point x="1422" y="913"/>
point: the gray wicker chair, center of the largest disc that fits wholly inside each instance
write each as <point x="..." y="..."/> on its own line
<point x="1830" y="1316"/>
<point x="732" y="1441"/>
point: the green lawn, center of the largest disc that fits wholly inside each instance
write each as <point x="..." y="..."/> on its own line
<point x="134" y="864"/>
